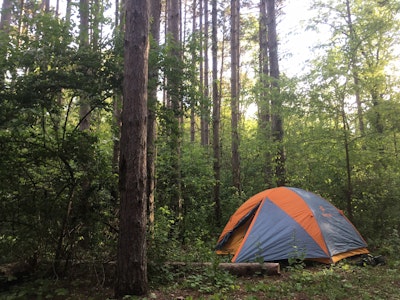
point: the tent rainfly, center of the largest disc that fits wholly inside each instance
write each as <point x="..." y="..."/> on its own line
<point x="288" y="223"/>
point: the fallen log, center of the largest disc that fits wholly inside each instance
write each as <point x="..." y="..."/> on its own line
<point x="238" y="269"/>
<point x="245" y="269"/>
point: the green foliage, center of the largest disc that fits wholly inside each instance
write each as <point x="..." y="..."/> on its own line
<point x="211" y="280"/>
<point x="50" y="178"/>
<point x="56" y="181"/>
<point x="39" y="289"/>
<point x="323" y="121"/>
<point x="172" y="250"/>
<point x="390" y="245"/>
<point x="196" y="182"/>
<point x="340" y="282"/>
<point x="296" y="258"/>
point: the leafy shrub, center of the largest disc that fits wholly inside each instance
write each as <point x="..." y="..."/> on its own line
<point x="211" y="280"/>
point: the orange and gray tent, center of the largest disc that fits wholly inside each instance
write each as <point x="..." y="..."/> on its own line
<point x="286" y="223"/>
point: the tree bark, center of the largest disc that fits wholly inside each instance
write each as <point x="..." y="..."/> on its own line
<point x="45" y="5"/>
<point x="68" y="11"/>
<point x="132" y="250"/>
<point x="155" y="13"/>
<point x="96" y="32"/>
<point x="276" y="102"/>
<point x="174" y="98"/>
<point x="116" y="130"/>
<point x="193" y="103"/>
<point x="216" y="115"/>
<point x="235" y="24"/>
<point x="205" y="108"/>
<point x="264" y="102"/>
<point x="349" y="191"/>
<point x="354" y="69"/>
<point x="84" y="111"/>
<point x="5" y="21"/>
<point x="6" y="13"/>
<point x="201" y="69"/>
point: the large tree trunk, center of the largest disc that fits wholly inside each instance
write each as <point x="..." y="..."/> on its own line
<point x="276" y="102"/>
<point x="235" y="54"/>
<point x="132" y="251"/>
<point x="216" y="116"/>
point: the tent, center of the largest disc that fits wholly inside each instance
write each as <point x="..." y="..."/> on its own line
<point x="286" y="222"/>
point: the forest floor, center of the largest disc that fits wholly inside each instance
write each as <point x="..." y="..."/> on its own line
<point x="340" y="281"/>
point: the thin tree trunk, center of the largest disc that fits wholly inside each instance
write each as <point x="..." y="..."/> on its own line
<point x="117" y="99"/>
<point x="122" y="15"/>
<point x="276" y="102"/>
<point x="235" y="23"/>
<point x="206" y="76"/>
<point x="264" y="103"/>
<point x="116" y="130"/>
<point x="6" y="13"/>
<point x="174" y="97"/>
<point x="84" y="123"/>
<point x="349" y="191"/>
<point x="222" y="63"/>
<point x="201" y="68"/>
<point x="205" y="103"/>
<point x="216" y="116"/>
<point x="45" y="6"/>
<point x="132" y="252"/>
<point x="152" y="113"/>
<point x="193" y="104"/>
<point x="5" y="21"/>
<point x="59" y="251"/>
<point x="68" y="12"/>
<point x="220" y="90"/>
<point x="116" y="13"/>
<point x="84" y="111"/>
<point x="97" y="12"/>
<point x="117" y="105"/>
<point x="117" y="102"/>
<point x="354" y="69"/>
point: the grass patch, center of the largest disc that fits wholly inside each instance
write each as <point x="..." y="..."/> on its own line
<point x="341" y="281"/>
